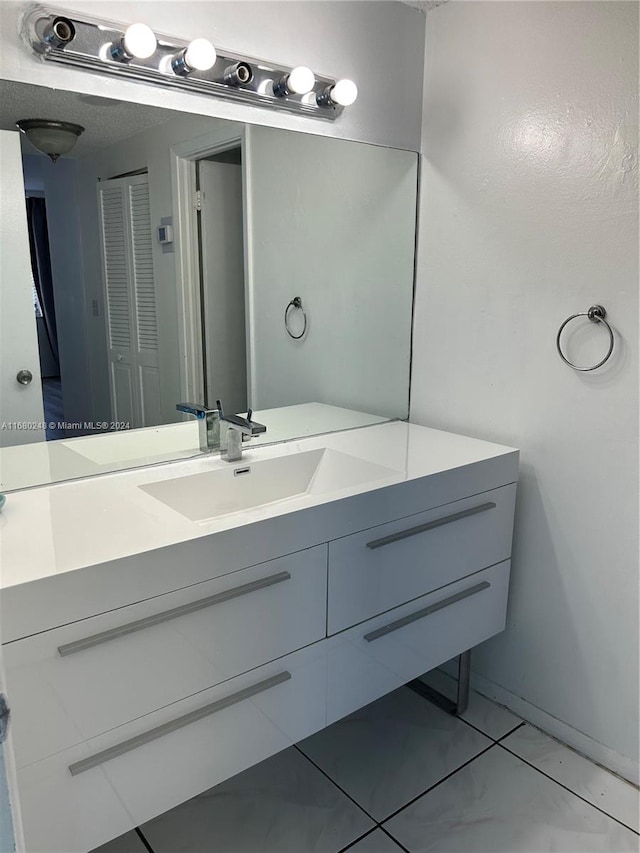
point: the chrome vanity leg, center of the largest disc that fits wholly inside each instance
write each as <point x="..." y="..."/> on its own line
<point x="461" y="704"/>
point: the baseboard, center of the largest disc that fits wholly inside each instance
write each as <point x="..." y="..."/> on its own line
<point x="592" y="749"/>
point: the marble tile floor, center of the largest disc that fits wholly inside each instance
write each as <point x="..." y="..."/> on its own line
<point x="402" y="775"/>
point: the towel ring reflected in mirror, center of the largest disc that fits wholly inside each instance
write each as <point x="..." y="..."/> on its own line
<point x="596" y="314"/>
<point x="296" y="303"/>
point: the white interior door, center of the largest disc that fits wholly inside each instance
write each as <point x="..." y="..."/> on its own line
<point x="223" y="283"/>
<point x="130" y="300"/>
<point x="19" y="404"/>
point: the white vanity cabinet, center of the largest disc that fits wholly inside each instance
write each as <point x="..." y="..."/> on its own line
<point x="375" y="657"/>
<point x="80" y="680"/>
<point x="379" y="568"/>
<point x="77" y="799"/>
<point x="145" y="680"/>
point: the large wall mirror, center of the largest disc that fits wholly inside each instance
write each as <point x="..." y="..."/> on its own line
<point x="171" y="257"/>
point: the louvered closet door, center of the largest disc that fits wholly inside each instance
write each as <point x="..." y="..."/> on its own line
<point x="130" y="300"/>
<point x="144" y="302"/>
<point x="117" y="281"/>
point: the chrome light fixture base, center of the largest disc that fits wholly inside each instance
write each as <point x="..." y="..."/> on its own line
<point x="89" y="43"/>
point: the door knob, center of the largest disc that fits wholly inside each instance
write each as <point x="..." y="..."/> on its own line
<point x="24" y="377"/>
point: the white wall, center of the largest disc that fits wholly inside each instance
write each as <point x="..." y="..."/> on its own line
<point x="334" y="223"/>
<point x="529" y="214"/>
<point x="32" y="171"/>
<point x="378" y="44"/>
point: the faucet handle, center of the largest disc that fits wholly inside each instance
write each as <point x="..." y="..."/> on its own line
<point x="255" y="427"/>
<point x="247" y="426"/>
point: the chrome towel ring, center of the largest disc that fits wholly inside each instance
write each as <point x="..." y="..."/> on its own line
<point x="596" y="314"/>
<point x="296" y="302"/>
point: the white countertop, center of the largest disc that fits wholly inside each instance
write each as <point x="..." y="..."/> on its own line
<point x="58" y="528"/>
<point x="35" y="464"/>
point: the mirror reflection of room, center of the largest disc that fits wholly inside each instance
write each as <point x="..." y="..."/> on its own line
<point x="177" y="257"/>
<point x="44" y="306"/>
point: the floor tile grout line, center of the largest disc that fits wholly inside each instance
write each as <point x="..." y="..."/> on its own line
<point x="333" y="782"/>
<point x="566" y="788"/>
<point x="369" y="832"/>
<point x="393" y="814"/>
<point x="471" y="725"/>
<point x="358" y="840"/>
<point x="509" y="733"/>
<point x="379" y="823"/>
<point x="138" y="832"/>
<point x="476" y="729"/>
<point x="395" y="840"/>
<point x="435" y="785"/>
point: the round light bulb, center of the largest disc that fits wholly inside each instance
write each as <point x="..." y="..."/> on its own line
<point x="301" y="80"/>
<point x="200" y="55"/>
<point x="140" y="41"/>
<point x="344" y="92"/>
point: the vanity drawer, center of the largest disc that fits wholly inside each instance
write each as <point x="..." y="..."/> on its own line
<point x="380" y="655"/>
<point x="77" y="681"/>
<point x="105" y="794"/>
<point x="382" y="567"/>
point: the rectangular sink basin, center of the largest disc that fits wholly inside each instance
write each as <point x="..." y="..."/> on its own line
<point x="201" y="497"/>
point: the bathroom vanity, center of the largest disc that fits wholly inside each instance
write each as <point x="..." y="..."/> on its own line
<point x="165" y="628"/>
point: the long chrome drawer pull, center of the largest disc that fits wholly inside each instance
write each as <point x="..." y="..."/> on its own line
<point x="426" y="611"/>
<point x="421" y="528"/>
<point x="165" y="615"/>
<point x="174" y="725"/>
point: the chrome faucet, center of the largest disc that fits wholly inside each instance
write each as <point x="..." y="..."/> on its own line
<point x="208" y="424"/>
<point x="234" y="430"/>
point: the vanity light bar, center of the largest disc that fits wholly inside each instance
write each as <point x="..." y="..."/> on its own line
<point x="137" y="53"/>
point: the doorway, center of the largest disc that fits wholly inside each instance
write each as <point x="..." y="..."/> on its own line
<point x="45" y="313"/>
<point x="220" y="228"/>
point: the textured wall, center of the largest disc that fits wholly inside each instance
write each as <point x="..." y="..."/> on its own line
<point x="529" y="214"/>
